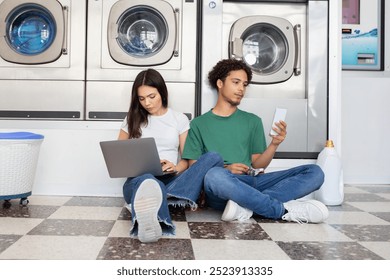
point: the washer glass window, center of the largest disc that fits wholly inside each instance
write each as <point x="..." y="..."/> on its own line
<point x="31" y="29"/>
<point x="142" y="31"/>
<point x="265" y="48"/>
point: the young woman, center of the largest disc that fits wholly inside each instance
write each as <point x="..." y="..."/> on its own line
<point x="149" y="196"/>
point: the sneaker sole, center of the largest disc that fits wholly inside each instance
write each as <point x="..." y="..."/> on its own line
<point x="322" y="208"/>
<point x="147" y="202"/>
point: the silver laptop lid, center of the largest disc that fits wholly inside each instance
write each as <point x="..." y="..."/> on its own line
<point x="131" y="157"/>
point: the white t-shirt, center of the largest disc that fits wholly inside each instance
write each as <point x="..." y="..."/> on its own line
<point x="165" y="130"/>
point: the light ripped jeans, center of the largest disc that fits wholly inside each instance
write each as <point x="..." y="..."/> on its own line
<point x="180" y="190"/>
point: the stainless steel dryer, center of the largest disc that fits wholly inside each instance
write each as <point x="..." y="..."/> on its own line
<point x="285" y="45"/>
<point x="127" y="36"/>
<point x="142" y="35"/>
<point x="42" y="54"/>
<point x="269" y="45"/>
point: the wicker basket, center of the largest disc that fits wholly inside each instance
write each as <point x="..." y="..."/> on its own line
<point x="19" y="153"/>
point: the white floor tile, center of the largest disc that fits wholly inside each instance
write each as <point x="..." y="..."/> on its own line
<point x="48" y="200"/>
<point x="206" y="249"/>
<point x="18" y="226"/>
<point x="55" y="248"/>
<point x="380" y="248"/>
<point x="372" y="206"/>
<point x="182" y="231"/>
<point x="352" y="189"/>
<point x="354" y="218"/>
<point x="306" y="232"/>
<point x="384" y="195"/>
<point x="87" y="213"/>
<point x="121" y="228"/>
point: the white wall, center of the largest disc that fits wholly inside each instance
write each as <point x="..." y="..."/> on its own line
<point x="365" y="101"/>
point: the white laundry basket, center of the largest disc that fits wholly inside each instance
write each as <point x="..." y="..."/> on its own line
<point x="19" y="153"/>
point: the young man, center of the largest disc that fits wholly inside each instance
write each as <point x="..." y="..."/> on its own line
<point x="238" y="136"/>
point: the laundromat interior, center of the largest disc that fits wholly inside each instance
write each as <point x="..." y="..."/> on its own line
<point x="73" y="85"/>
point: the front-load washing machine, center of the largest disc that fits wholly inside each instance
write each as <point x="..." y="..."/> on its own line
<point x="285" y="45"/>
<point x="128" y="36"/>
<point x="42" y="59"/>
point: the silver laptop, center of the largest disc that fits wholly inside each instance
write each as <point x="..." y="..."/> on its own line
<point x="132" y="158"/>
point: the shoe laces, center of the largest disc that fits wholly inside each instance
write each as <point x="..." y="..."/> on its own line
<point x="299" y="220"/>
<point x="297" y="214"/>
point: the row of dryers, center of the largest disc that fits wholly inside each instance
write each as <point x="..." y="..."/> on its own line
<point x="76" y="59"/>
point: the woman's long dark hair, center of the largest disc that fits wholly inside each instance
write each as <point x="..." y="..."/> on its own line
<point x="137" y="115"/>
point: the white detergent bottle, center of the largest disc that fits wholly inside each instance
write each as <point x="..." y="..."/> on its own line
<point x="332" y="190"/>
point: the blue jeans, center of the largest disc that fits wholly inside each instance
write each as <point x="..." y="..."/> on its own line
<point x="265" y="193"/>
<point x="180" y="190"/>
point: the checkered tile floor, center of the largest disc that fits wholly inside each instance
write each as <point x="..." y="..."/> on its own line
<point x="87" y="228"/>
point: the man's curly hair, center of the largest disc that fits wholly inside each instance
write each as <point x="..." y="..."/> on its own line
<point x="222" y="69"/>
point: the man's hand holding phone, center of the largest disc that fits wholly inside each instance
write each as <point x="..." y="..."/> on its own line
<point x="278" y="129"/>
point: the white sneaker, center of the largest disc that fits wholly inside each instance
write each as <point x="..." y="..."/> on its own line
<point x="147" y="202"/>
<point x="233" y="211"/>
<point x="309" y="211"/>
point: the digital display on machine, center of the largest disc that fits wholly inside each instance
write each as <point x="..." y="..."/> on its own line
<point x="351" y="13"/>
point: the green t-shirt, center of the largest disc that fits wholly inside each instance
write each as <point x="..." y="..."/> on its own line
<point x="235" y="138"/>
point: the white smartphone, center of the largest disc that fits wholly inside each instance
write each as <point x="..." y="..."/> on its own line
<point x="280" y="115"/>
<point x="255" y="171"/>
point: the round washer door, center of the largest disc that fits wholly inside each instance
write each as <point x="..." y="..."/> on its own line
<point x="31" y="32"/>
<point x="267" y="45"/>
<point x="142" y="33"/>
